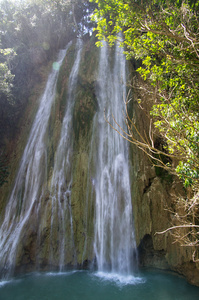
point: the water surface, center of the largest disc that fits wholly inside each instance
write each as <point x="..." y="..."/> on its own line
<point x="86" y="285"/>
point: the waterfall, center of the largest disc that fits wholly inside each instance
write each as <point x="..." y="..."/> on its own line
<point x="47" y="221"/>
<point x="30" y="179"/>
<point x="114" y="242"/>
<point x="62" y="172"/>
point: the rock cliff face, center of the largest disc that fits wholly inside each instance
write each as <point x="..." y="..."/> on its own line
<point x="152" y="193"/>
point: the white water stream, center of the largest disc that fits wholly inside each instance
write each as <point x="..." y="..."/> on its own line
<point x="114" y="242"/>
<point x="62" y="173"/>
<point x="30" y="178"/>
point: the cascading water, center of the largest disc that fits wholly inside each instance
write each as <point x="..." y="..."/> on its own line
<point x="114" y="242"/>
<point x="48" y="222"/>
<point x="62" y="173"/>
<point x="30" y="179"/>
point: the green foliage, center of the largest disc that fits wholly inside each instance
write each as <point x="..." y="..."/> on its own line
<point x="35" y="30"/>
<point x="38" y="28"/>
<point x="165" y="36"/>
<point x="6" y="79"/>
<point x="187" y="174"/>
